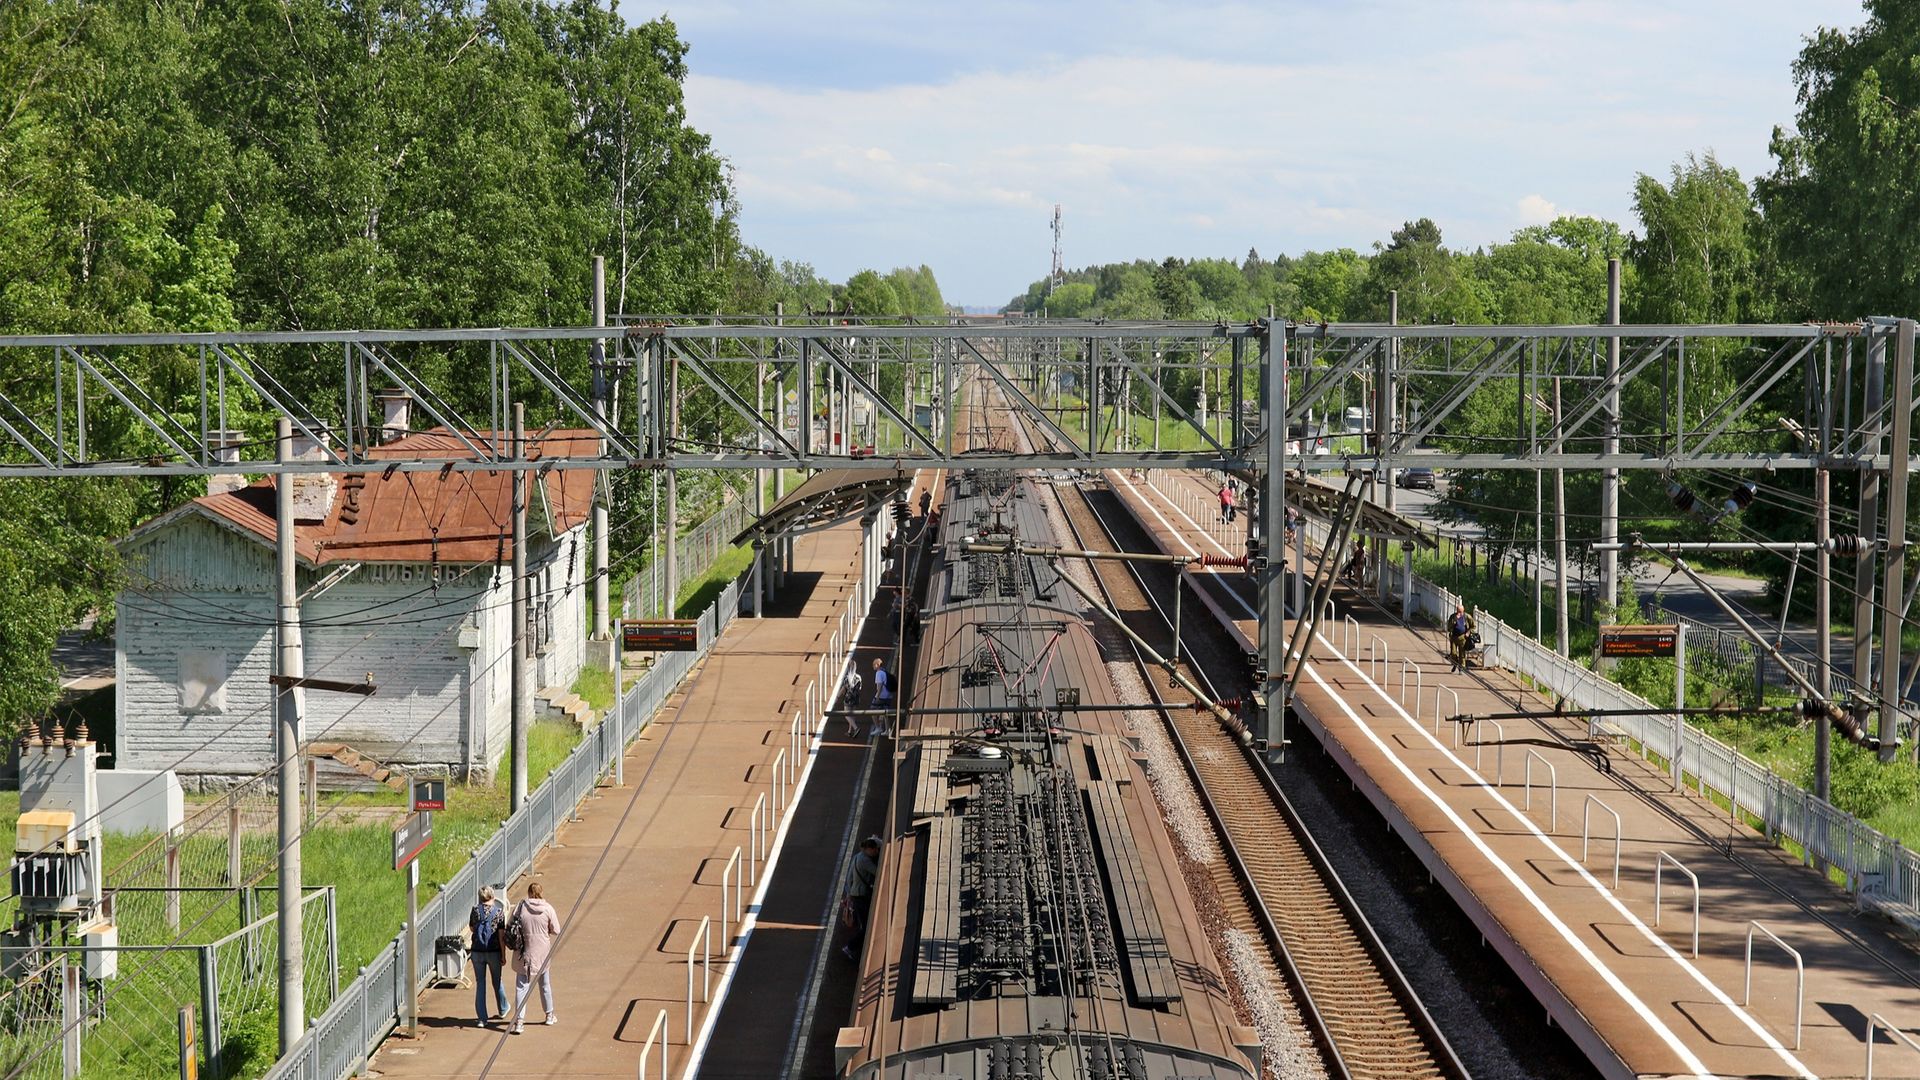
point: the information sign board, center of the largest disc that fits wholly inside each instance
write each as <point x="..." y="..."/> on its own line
<point x="1627" y="641"/>
<point x="429" y="795"/>
<point x="411" y="837"/>
<point x="660" y="635"/>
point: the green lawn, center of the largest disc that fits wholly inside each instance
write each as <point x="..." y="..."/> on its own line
<point x="350" y="848"/>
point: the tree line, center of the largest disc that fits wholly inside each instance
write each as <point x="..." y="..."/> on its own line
<point x="214" y="165"/>
<point x="1824" y="235"/>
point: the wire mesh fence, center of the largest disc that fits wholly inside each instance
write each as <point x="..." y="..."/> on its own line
<point x="644" y="594"/>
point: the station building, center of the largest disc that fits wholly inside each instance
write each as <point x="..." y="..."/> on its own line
<point x="404" y="577"/>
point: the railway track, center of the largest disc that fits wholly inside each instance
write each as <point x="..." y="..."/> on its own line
<point x="1283" y="888"/>
<point x="1274" y="883"/>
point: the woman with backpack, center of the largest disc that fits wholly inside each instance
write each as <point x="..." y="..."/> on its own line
<point x="485" y="923"/>
<point x="530" y="933"/>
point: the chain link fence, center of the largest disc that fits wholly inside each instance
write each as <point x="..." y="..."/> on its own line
<point x="644" y="595"/>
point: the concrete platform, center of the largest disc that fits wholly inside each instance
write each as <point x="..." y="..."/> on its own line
<point x="1621" y="979"/>
<point x="633" y="878"/>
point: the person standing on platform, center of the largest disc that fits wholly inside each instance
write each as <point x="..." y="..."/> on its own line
<point x="539" y="927"/>
<point x="859" y="899"/>
<point x="882" y="694"/>
<point x="485" y="923"/>
<point x="1459" y="633"/>
<point x="850" y="697"/>
<point x="1226" y="502"/>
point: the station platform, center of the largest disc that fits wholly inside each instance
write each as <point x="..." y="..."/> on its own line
<point x="1518" y="823"/>
<point x="634" y="877"/>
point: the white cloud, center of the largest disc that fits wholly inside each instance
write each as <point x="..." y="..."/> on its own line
<point x="1535" y="210"/>
<point x="1322" y="126"/>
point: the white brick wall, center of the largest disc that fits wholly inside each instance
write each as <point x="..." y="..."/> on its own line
<point x="197" y="586"/>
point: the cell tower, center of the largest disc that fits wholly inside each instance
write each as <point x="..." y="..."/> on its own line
<point x="1059" y="276"/>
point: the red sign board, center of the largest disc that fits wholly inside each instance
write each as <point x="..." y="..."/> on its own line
<point x="1625" y="641"/>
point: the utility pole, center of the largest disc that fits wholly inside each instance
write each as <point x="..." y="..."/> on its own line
<point x="1559" y="530"/>
<point x="1863" y="566"/>
<point x="1823" y="619"/>
<point x="672" y="600"/>
<point x="1887" y="683"/>
<point x="1273" y="532"/>
<point x="521" y="695"/>
<point x="1610" y="445"/>
<point x="602" y="615"/>
<point x="287" y="708"/>
<point x="1383" y="431"/>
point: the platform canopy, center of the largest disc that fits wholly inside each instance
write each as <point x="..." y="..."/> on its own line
<point x="1322" y="500"/>
<point x="826" y="499"/>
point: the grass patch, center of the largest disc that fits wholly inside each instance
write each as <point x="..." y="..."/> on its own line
<point x="595" y="687"/>
<point x="350" y="848"/>
<point x="698" y="594"/>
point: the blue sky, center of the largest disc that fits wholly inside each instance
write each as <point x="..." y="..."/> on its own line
<point x="876" y="135"/>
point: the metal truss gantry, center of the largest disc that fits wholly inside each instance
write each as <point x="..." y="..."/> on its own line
<point x="767" y="392"/>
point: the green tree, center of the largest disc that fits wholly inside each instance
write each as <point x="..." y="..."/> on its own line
<point x="1695" y="261"/>
<point x="1842" y="199"/>
<point x="1432" y="284"/>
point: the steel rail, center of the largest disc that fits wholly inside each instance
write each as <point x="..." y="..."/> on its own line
<point x="1418" y="1019"/>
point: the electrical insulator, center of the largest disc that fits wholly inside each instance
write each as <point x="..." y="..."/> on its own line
<point x="1741" y="498"/>
<point x="1680" y="497"/>
<point x="902" y="513"/>
<point x="1845" y="545"/>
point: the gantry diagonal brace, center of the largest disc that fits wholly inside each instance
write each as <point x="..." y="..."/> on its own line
<point x="733" y="398"/>
<point x="1306" y="623"/>
<point x="1055" y="433"/>
<point x="1120" y="353"/>
<point x="583" y="408"/>
<point x="879" y="400"/>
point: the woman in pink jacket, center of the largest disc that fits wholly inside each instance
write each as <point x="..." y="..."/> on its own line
<point x="539" y="927"/>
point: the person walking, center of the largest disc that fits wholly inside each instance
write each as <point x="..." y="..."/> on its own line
<point x="539" y="927"/>
<point x="1226" y="502"/>
<point x="1459" y="631"/>
<point x="850" y="698"/>
<point x="882" y="694"/>
<point x="485" y="923"/>
<point x="859" y="898"/>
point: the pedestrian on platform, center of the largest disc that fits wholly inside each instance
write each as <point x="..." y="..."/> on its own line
<point x="1459" y="636"/>
<point x="850" y="698"/>
<point x="1226" y="502"/>
<point x="859" y="897"/>
<point x="926" y="503"/>
<point x="882" y="694"/>
<point x="539" y="927"/>
<point x="485" y="923"/>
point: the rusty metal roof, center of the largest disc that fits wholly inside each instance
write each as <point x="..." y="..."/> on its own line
<point x="452" y="517"/>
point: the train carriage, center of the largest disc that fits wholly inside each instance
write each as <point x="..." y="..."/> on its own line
<point x="1030" y="918"/>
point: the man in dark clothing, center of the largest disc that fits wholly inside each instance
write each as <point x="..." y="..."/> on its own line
<point x="484" y="922"/>
<point x="1459" y="633"/>
<point x="859" y="898"/>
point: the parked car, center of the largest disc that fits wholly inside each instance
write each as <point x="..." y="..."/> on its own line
<point x="1418" y="476"/>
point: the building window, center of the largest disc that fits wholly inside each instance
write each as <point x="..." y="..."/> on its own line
<point x="203" y="682"/>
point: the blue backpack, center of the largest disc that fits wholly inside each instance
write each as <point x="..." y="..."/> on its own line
<point x="486" y="927"/>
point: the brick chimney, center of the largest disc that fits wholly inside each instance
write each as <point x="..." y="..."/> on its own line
<point x="396" y="412"/>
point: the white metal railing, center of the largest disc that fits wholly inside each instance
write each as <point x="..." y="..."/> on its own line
<point x="703" y="938"/>
<point x="1499" y="751"/>
<point x="1874" y="1023"/>
<point x="1377" y="659"/>
<point x="779" y="782"/>
<point x="1880" y="872"/>
<point x="657" y="1032"/>
<point x="728" y="874"/>
<point x="1800" y="976"/>
<point x="1660" y="861"/>
<point x="757" y="837"/>
<point x="1553" y="789"/>
<point x="1438" y="689"/>
<point x="1349" y="636"/>
<point x="1409" y="667"/>
<point x="1586" y="818"/>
